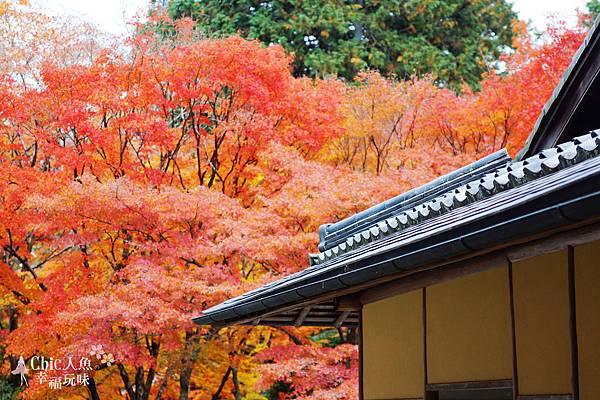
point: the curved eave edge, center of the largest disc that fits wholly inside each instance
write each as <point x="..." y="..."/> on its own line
<point x="529" y="224"/>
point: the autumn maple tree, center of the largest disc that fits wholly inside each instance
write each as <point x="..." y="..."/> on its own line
<point x="126" y="207"/>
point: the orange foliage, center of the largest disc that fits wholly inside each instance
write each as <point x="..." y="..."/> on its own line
<point x="389" y="123"/>
<point x="29" y="37"/>
<point x="312" y="371"/>
<point x="504" y="112"/>
<point x="382" y="120"/>
<point x="126" y="201"/>
<point x="137" y="190"/>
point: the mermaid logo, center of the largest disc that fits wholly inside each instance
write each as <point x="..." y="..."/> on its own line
<point x="21" y="370"/>
<point x="59" y="372"/>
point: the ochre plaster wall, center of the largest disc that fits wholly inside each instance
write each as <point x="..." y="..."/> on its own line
<point x="587" y="295"/>
<point x="393" y="347"/>
<point x="541" y="298"/>
<point x="468" y="328"/>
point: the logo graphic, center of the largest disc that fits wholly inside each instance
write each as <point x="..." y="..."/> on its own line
<point x="22" y="370"/>
<point x="104" y="357"/>
<point x="58" y="373"/>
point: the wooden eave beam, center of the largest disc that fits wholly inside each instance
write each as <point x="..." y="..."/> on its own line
<point x="348" y="303"/>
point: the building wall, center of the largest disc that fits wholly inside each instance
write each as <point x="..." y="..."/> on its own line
<point x="541" y="298"/>
<point x="587" y="290"/>
<point x="469" y="330"/>
<point x="393" y="347"/>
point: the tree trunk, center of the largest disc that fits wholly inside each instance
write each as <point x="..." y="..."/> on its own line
<point x="236" y="384"/>
<point x="163" y="385"/>
<point x="139" y="383"/>
<point x="217" y="394"/>
<point x="352" y="335"/>
<point x="358" y="27"/>
<point x="184" y="382"/>
<point x="148" y="385"/>
<point x="190" y="354"/>
<point x="93" y="390"/>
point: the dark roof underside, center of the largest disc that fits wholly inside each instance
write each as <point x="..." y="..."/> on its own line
<point x="322" y="314"/>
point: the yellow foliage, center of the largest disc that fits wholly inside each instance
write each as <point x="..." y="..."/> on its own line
<point x="379" y="121"/>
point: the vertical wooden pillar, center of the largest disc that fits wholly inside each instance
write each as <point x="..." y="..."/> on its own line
<point x="515" y="377"/>
<point x="586" y="280"/>
<point x="361" y="393"/>
<point x="573" y="324"/>
<point x="432" y="395"/>
<point x="424" y="310"/>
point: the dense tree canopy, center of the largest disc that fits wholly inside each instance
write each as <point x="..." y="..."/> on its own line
<point x="454" y="40"/>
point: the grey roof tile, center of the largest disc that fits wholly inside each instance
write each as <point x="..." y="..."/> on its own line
<point x="335" y="233"/>
<point x="512" y="175"/>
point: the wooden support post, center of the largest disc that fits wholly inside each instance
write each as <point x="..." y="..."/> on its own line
<point x="340" y="320"/>
<point x="573" y="325"/>
<point x="301" y="316"/>
<point x="361" y="365"/>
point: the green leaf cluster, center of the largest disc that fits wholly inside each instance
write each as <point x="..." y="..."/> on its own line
<point x="455" y="40"/>
<point x="7" y="390"/>
<point x="593" y="8"/>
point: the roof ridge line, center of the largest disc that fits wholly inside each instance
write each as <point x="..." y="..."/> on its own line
<point x="332" y="234"/>
<point x="514" y="174"/>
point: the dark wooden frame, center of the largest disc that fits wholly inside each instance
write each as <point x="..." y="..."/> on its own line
<point x="471" y="385"/>
<point x="573" y="323"/>
<point x="361" y="393"/>
<point x="515" y="373"/>
<point x="432" y="390"/>
<point x="424" y="318"/>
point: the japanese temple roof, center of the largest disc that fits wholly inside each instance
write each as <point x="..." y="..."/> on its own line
<point x="473" y="209"/>
<point x="335" y="236"/>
